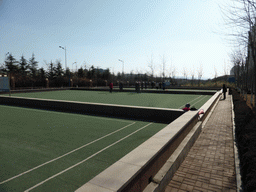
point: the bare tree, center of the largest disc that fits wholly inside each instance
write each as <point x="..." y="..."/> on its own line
<point x="192" y="73"/>
<point x="199" y="74"/>
<point x="241" y="17"/>
<point x="86" y="67"/>
<point x="215" y="75"/>
<point x="163" y="67"/>
<point x="138" y="74"/>
<point x="172" y="72"/>
<point x="225" y="70"/>
<point x="237" y="58"/>
<point x="185" y="73"/>
<point x="151" y="65"/>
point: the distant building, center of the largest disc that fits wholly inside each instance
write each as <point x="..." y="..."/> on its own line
<point x="232" y="71"/>
<point x="100" y="70"/>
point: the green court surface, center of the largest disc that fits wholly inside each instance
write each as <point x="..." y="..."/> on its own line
<point x="174" y="101"/>
<point x="52" y="151"/>
<point x="45" y="150"/>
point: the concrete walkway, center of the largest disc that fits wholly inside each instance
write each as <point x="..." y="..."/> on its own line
<point x="210" y="164"/>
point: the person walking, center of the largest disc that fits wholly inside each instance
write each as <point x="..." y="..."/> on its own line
<point x="163" y="85"/>
<point x="152" y="84"/>
<point x="121" y="86"/>
<point x="157" y="85"/>
<point x="224" y="90"/>
<point x="110" y="87"/>
<point x="137" y="86"/>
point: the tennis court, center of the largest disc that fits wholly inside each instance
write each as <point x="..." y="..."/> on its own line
<point x="174" y="101"/>
<point x="47" y="150"/>
<point x="54" y="151"/>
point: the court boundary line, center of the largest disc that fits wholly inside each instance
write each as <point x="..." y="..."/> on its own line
<point x="200" y="99"/>
<point x="190" y="101"/>
<point x="75" y="165"/>
<point x="74" y="150"/>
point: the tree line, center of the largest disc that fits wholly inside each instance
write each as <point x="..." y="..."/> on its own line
<point x="241" y="17"/>
<point x="26" y="73"/>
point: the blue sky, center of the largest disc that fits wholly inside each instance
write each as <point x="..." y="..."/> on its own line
<point x="100" y="32"/>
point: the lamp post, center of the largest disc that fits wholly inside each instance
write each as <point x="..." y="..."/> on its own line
<point x="66" y="62"/>
<point x="73" y="71"/>
<point x="65" y="55"/>
<point x="123" y="64"/>
<point x="72" y="66"/>
<point x="8" y="75"/>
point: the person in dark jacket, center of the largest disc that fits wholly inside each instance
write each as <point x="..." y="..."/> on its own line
<point x="110" y="87"/>
<point x="137" y="87"/>
<point x="224" y="90"/>
<point x="163" y="85"/>
<point x="121" y="86"/>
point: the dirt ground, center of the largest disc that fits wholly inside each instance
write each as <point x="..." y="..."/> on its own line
<point x="245" y="120"/>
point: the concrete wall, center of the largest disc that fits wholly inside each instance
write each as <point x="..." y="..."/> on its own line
<point x="207" y="107"/>
<point x="121" y="111"/>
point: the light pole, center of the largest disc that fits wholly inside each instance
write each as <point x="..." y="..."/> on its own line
<point x="97" y="73"/>
<point x="65" y="56"/>
<point x="73" y="70"/>
<point x="8" y="75"/>
<point x="66" y="62"/>
<point x="72" y="66"/>
<point x="123" y="64"/>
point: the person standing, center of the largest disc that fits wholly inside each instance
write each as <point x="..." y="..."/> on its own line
<point x="121" y="86"/>
<point x="163" y="85"/>
<point x="110" y="87"/>
<point x="157" y="85"/>
<point x="137" y="86"/>
<point x="224" y="90"/>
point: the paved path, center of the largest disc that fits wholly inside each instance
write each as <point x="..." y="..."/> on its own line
<point x="209" y="165"/>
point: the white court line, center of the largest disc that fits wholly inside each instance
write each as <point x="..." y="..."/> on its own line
<point x="200" y="99"/>
<point x="190" y="101"/>
<point x="64" y="154"/>
<point x="58" y="112"/>
<point x="85" y="159"/>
